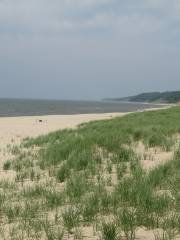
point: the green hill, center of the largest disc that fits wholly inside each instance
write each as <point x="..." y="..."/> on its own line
<point x="160" y="97"/>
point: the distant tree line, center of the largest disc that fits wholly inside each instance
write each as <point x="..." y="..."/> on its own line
<point x="160" y="97"/>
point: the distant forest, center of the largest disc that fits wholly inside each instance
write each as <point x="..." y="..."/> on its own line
<point x="159" y="97"/>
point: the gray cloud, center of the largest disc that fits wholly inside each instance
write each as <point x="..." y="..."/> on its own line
<point x="20" y="16"/>
<point x="87" y="48"/>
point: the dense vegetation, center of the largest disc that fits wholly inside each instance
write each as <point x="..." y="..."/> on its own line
<point x="160" y="97"/>
<point x="90" y="183"/>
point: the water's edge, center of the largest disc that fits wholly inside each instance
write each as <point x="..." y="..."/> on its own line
<point x="24" y="107"/>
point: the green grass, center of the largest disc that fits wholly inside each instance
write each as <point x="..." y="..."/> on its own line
<point x="7" y="165"/>
<point x="70" y="218"/>
<point x="82" y="177"/>
<point x="109" y="231"/>
<point x="128" y="222"/>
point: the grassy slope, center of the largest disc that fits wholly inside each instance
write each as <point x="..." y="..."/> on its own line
<point x="91" y="176"/>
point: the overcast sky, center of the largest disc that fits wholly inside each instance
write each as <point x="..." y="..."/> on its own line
<point x="88" y="49"/>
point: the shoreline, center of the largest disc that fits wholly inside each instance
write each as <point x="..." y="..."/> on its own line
<point x="149" y="103"/>
<point x="18" y="108"/>
<point x="15" y="129"/>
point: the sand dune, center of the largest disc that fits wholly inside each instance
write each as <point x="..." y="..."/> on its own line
<point x="36" y="125"/>
<point x="14" y="129"/>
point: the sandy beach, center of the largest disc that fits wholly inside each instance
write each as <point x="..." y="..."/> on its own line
<point x="14" y="129"/>
<point x="17" y="128"/>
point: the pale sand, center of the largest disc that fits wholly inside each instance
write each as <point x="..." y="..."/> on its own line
<point x="14" y="129"/>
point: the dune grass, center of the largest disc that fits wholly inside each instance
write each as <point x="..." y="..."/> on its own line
<point x="92" y="176"/>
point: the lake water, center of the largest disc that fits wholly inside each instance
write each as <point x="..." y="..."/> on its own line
<point x="22" y="107"/>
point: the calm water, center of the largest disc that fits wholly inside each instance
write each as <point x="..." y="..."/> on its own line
<point x="14" y="107"/>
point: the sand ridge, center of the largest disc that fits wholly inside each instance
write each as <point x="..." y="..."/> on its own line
<point x="14" y="129"/>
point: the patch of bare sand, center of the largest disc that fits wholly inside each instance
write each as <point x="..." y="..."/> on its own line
<point x="144" y="234"/>
<point x="152" y="157"/>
